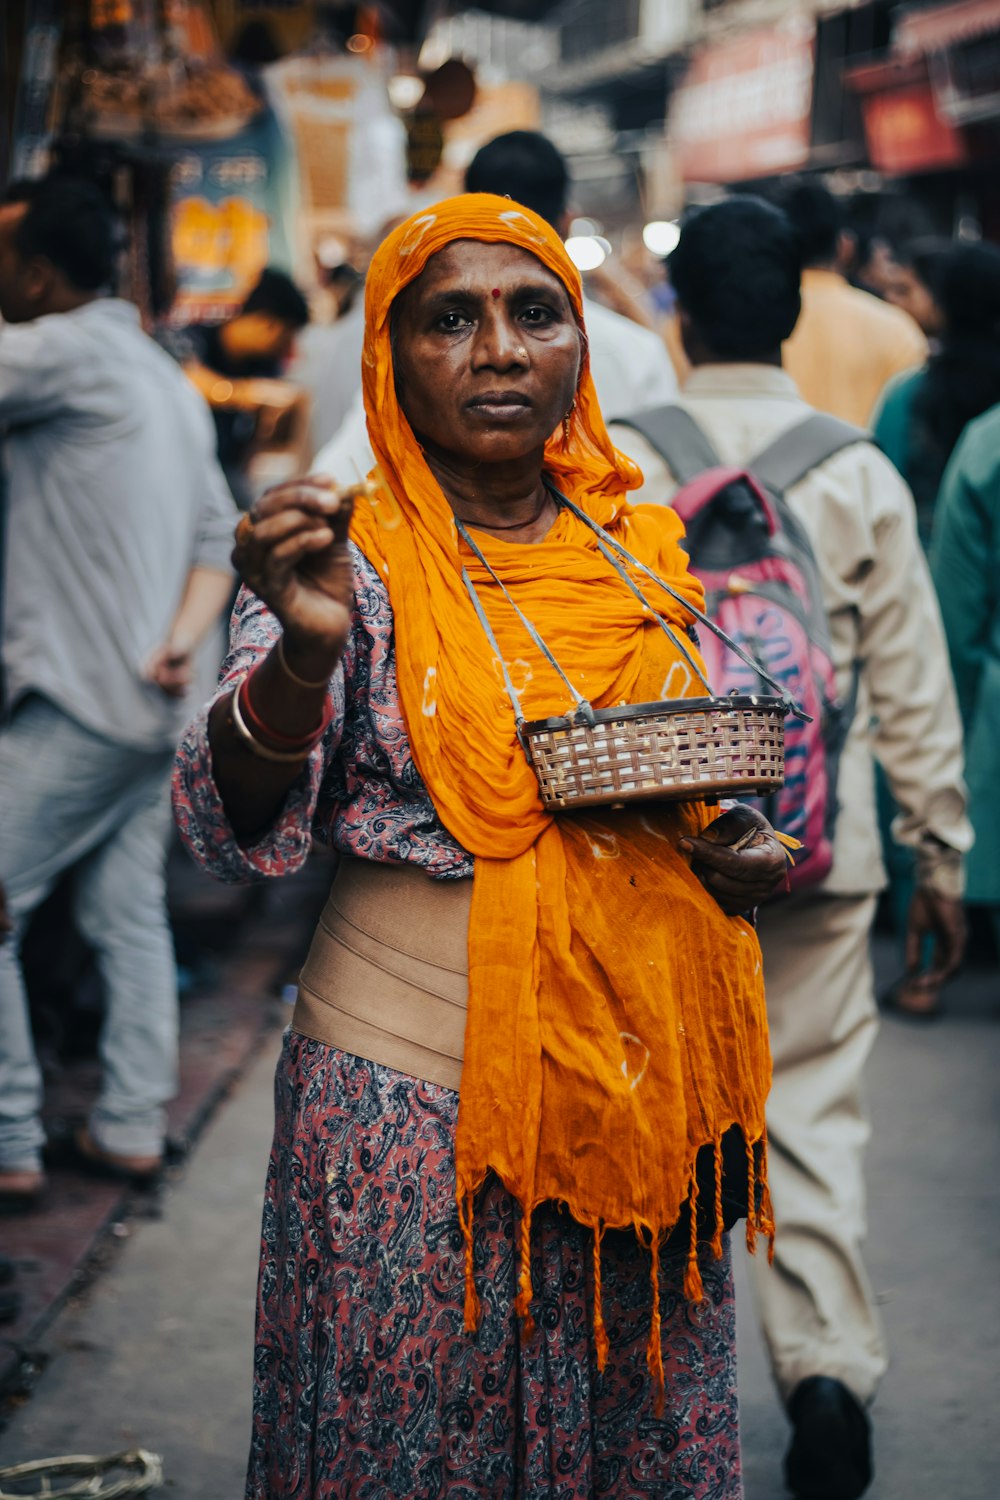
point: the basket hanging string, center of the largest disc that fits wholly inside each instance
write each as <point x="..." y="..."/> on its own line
<point x="606" y="542"/>
<point x="583" y="709"/>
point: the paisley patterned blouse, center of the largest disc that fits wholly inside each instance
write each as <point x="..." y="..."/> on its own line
<point x="359" y="791"/>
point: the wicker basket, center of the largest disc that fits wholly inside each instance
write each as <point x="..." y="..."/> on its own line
<point x="686" y="749"/>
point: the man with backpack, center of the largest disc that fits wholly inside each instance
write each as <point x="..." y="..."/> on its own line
<point x="813" y="560"/>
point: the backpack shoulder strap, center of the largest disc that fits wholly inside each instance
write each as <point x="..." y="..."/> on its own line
<point x="804" y="447"/>
<point x="677" y="438"/>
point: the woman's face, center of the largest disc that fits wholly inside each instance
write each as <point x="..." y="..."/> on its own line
<point x="486" y="352"/>
<point x="906" y="290"/>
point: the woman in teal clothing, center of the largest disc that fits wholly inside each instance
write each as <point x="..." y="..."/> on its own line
<point x="954" y="290"/>
<point x="923" y="413"/>
<point x="965" y="562"/>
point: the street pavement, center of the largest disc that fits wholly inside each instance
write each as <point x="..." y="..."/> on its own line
<point x="158" y="1353"/>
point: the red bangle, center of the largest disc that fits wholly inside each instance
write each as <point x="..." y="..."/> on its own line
<point x="284" y="741"/>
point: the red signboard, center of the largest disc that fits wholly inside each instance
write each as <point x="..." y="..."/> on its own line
<point x="744" y="109"/>
<point x="904" y="127"/>
<point x="905" y="133"/>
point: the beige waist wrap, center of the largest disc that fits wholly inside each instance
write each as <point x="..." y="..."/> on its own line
<point x="387" y="974"/>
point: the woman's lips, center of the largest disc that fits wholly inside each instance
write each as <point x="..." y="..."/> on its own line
<point x="500" y="406"/>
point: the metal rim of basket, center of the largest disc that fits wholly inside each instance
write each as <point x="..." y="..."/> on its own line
<point x="626" y="712"/>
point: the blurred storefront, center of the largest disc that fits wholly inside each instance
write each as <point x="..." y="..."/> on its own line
<point x="744" y="110"/>
<point x="256" y="132"/>
<point x="931" y="111"/>
<point x="904" y="100"/>
<point x="239" y="135"/>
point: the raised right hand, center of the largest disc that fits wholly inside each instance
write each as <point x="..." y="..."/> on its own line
<point x="295" y="557"/>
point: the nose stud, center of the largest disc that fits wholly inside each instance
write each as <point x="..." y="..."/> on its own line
<point x="521" y="352"/>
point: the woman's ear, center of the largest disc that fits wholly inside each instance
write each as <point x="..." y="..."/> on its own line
<point x="584" y="354"/>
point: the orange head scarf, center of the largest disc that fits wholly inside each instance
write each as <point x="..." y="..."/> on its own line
<point x="616" y="1018"/>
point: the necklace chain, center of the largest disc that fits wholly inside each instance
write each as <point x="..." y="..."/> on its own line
<point x="509" y="526"/>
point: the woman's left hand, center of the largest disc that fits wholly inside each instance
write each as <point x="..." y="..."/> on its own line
<point x="738" y="859"/>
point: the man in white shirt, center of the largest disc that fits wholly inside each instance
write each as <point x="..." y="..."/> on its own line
<point x="630" y="364"/>
<point x="736" y="275"/>
<point x="119" y="528"/>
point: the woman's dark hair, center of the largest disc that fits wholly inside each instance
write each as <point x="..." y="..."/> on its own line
<point x="277" y="294"/>
<point x="926" y="257"/>
<point x="71" y="223"/>
<point x="963" y="376"/>
<point x="525" y="166"/>
<point x="736" y="272"/>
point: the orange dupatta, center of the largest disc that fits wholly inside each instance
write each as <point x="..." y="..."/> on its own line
<point x="616" y="1018"/>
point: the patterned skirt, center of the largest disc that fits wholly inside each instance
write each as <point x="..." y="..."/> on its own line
<point x="366" y="1385"/>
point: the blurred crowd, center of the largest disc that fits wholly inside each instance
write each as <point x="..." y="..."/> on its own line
<point x="129" y="453"/>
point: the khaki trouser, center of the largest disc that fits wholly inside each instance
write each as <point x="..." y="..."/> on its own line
<point x="815" y="1304"/>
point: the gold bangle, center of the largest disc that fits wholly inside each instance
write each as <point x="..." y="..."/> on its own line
<point x="294" y="676"/>
<point x="280" y="757"/>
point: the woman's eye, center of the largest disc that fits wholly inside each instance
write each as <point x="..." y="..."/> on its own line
<point x="537" y="315"/>
<point x="451" y="322"/>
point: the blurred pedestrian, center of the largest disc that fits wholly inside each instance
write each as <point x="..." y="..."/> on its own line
<point x="629" y="363"/>
<point x="954" y="289"/>
<point x="736" y="275"/>
<point x="239" y="367"/>
<point x="965" y="562"/>
<point x="485" y="1124"/>
<point x="871" y="264"/>
<point x="847" y="344"/>
<point x="327" y="360"/>
<point x="117" y="564"/>
<point x="922" y="415"/>
<point x="913" y="283"/>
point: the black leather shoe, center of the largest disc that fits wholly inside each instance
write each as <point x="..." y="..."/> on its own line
<point x="830" y="1457"/>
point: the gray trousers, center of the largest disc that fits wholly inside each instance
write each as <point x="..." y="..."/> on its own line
<point x="68" y="795"/>
<point x="815" y="1303"/>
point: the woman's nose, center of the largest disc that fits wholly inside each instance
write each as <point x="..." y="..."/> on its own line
<point x="500" y="344"/>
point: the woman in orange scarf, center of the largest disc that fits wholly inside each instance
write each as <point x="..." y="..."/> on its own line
<point x="510" y="1106"/>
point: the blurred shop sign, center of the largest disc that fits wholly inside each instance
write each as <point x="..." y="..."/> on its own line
<point x="962" y="46"/>
<point x="904" y="129"/>
<point x="938" y="27"/>
<point x="966" y="80"/>
<point x="744" y="108"/>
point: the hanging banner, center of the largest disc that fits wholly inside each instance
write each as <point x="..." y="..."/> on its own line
<point x="232" y="203"/>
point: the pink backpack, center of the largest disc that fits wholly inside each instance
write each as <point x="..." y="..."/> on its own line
<point x="762" y="587"/>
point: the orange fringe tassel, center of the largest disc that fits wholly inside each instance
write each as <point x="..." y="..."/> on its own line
<point x="472" y="1308"/>
<point x="601" y="1340"/>
<point x="522" y="1302"/>
<point x="751" y="1199"/>
<point x="717" y="1236"/>
<point x="693" y="1289"/>
<point x="654" y="1349"/>
<point x="758" y="1220"/>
